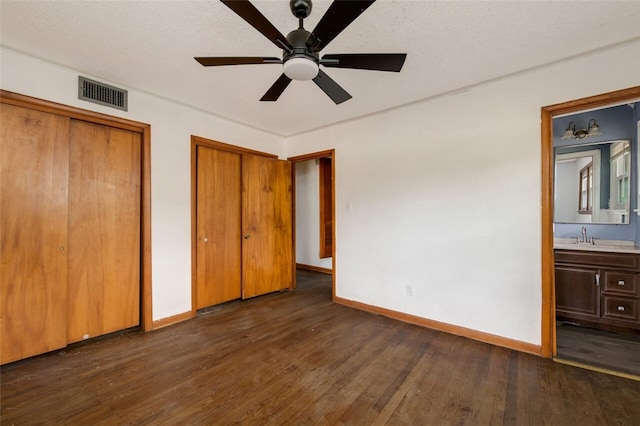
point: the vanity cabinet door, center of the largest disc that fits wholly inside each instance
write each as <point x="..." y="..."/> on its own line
<point x="577" y="292"/>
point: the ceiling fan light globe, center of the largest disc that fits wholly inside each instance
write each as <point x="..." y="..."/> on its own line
<point x="300" y="69"/>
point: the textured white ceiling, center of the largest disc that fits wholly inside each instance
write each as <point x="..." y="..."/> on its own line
<point x="150" y="45"/>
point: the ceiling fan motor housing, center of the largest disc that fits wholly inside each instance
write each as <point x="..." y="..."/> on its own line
<point x="300" y="41"/>
<point x="300" y="8"/>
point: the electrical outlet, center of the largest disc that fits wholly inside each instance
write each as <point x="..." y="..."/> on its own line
<point x="409" y="290"/>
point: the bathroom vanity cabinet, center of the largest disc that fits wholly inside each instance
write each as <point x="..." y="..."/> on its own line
<point x="598" y="289"/>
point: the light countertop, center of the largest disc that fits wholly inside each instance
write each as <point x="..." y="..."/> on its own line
<point x="611" y="246"/>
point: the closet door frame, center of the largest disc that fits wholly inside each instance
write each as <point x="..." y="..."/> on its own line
<point x="11" y="98"/>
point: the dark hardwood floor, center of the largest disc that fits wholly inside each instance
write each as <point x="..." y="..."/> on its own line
<point x="603" y="349"/>
<point x="296" y="358"/>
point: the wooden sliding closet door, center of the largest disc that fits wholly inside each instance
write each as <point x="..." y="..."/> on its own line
<point x="267" y="250"/>
<point x="103" y="292"/>
<point x="34" y="149"/>
<point x="244" y="240"/>
<point x="218" y="227"/>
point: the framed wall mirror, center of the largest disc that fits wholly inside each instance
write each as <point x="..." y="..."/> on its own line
<point x="592" y="183"/>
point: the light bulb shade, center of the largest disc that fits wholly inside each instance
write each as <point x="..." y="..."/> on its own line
<point x="568" y="134"/>
<point x="300" y="69"/>
<point x="594" y="129"/>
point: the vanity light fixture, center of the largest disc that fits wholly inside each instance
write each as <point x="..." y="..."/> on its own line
<point x="592" y="130"/>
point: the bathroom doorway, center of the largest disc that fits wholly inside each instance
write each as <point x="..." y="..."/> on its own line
<point x="561" y="338"/>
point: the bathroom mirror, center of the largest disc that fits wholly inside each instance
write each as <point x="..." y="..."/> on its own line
<point x="592" y="183"/>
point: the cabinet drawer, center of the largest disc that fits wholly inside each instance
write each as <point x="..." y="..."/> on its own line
<point x="620" y="308"/>
<point x="616" y="260"/>
<point x="623" y="283"/>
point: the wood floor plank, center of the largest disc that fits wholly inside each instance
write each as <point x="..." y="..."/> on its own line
<point x="295" y="358"/>
<point x="604" y="349"/>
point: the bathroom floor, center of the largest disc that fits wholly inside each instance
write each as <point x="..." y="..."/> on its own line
<point x="607" y="350"/>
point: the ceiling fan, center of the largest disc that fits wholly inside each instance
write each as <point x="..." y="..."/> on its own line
<point x="301" y="48"/>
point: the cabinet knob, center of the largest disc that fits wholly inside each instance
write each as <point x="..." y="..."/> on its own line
<point x="597" y="280"/>
<point x="246" y="237"/>
<point x="621" y="282"/>
<point x="621" y="308"/>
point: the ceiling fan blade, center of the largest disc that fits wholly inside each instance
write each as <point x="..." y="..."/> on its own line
<point x="249" y="13"/>
<point x="366" y="61"/>
<point x="331" y="88"/>
<point x="235" y="60"/>
<point x="340" y="14"/>
<point x="276" y="90"/>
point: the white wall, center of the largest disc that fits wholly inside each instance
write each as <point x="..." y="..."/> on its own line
<point x="567" y="195"/>
<point x="308" y="215"/>
<point x="435" y="220"/>
<point x="172" y="125"/>
<point x="445" y="196"/>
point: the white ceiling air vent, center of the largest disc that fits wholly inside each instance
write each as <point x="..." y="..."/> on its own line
<point x="103" y="94"/>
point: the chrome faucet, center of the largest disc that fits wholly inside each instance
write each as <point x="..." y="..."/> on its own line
<point x="584" y="234"/>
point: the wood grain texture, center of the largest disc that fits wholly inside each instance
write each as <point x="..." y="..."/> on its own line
<point x="325" y="170"/>
<point x="146" y="314"/>
<point x="34" y="149"/>
<point x="444" y="327"/>
<point x="296" y="358"/>
<point x="314" y="268"/>
<point x="267" y="249"/>
<point x="218" y="227"/>
<point x="103" y="294"/>
<point x="547" y="332"/>
<point x="608" y="350"/>
<point x="16" y="99"/>
<point x="200" y="141"/>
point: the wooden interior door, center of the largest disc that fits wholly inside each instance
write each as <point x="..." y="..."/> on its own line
<point x="34" y="150"/>
<point x="267" y="249"/>
<point x="218" y="247"/>
<point x="326" y="206"/>
<point x="103" y="293"/>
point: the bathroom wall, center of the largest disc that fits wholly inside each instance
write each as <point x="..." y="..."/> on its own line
<point x="616" y="123"/>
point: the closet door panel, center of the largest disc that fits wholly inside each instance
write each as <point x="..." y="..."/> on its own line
<point x="218" y="227"/>
<point x="34" y="153"/>
<point x="104" y="230"/>
<point x="267" y="250"/>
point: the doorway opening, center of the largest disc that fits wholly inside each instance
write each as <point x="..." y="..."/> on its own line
<point x="550" y="292"/>
<point x="314" y="212"/>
